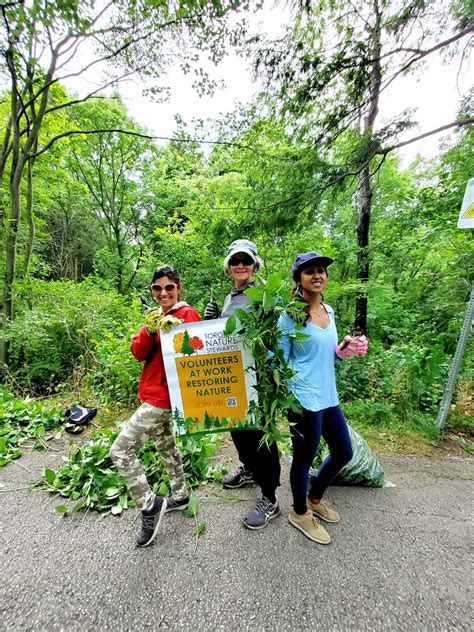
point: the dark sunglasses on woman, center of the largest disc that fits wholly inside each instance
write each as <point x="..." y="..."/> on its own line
<point x="246" y="261"/>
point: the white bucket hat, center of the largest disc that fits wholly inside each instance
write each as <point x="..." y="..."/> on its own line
<point x="242" y="245"/>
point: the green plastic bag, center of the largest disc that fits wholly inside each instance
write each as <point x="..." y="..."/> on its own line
<point x="363" y="469"/>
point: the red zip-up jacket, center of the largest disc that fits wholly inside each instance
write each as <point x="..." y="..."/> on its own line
<point x="152" y="387"/>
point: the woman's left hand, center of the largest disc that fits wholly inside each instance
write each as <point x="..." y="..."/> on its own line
<point x="357" y="346"/>
<point x="168" y="322"/>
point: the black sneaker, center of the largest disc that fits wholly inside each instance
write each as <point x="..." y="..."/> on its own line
<point x="151" y="520"/>
<point x="238" y="478"/>
<point x="173" y="504"/>
<point x="262" y="513"/>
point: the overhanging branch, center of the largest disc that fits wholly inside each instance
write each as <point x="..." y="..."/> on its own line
<point x="438" y="130"/>
<point x="199" y="141"/>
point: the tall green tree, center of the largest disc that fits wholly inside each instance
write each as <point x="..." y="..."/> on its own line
<point x="327" y="75"/>
<point x="41" y="41"/>
<point x="110" y="166"/>
<point x="69" y="232"/>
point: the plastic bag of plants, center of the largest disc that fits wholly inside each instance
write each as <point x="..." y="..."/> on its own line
<point x="363" y="469"/>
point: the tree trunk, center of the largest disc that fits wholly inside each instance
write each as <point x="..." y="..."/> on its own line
<point x="121" y="266"/>
<point x="12" y="236"/>
<point x="19" y="157"/>
<point x="4" y="224"/>
<point x="6" y="149"/>
<point x="29" y="216"/>
<point x="365" y="190"/>
<point x="14" y="219"/>
<point x="365" y="206"/>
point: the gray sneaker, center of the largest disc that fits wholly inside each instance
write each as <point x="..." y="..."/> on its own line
<point x="238" y="478"/>
<point x="173" y="504"/>
<point x="151" y="520"/>
<point x="262" y="513"/>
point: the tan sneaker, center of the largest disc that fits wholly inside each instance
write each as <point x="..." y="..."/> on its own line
<point x="323" y="511"/>
<point x="310" y="526"/>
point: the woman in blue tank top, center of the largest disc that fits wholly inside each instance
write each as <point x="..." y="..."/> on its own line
<point x="314" y="386"/>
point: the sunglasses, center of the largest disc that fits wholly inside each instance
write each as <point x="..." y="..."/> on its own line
<point x="167" y="288"/>
<point x="246" y="261"/>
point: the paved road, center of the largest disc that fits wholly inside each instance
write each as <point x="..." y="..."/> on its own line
<point x="400" y="560"/>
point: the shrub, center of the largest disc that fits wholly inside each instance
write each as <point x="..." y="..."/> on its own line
<point x="115" y="372"/>
<point x="407" y="377"/>
<point x="58" y="330"/>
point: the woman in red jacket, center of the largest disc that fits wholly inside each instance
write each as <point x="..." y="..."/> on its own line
<point x="153" y="417"/>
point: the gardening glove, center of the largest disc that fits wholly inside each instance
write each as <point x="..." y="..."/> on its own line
<point x="152" y="320"/>
<point x="351" y="347"/>
<point x="212" y="311"/>
<point x="168" y="322"/>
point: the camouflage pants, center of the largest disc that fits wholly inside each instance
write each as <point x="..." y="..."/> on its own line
<point x="148" y="421"/>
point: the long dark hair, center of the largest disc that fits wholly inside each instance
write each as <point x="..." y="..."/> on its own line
<point x="297" y="295"/>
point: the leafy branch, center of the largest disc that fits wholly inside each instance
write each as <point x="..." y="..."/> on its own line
<point x="260" y="335"/>
<point x="23" y="420"/>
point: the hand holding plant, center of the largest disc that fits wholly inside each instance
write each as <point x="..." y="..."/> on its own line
<point x="152" y="320"/>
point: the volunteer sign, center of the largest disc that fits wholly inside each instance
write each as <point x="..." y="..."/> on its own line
<point x="209" y="377"/>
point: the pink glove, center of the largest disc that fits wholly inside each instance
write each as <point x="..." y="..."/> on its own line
<point x="357" y="346"/>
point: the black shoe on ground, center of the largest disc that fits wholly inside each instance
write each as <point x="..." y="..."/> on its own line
<point x="173" y="504"/>
<point x="238" y="478"/>
<point x="151" y="520"/>
<point x="262" y="513"/>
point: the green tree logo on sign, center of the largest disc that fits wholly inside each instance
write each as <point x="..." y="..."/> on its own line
<point x="189" y="345"/>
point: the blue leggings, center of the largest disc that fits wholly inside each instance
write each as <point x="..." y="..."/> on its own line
<point x="306" y="431"/>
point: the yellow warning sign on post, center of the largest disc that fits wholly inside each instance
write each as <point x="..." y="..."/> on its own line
<point x="469" y="211"/>
<point x="466" y="216"/>
<point x="209" y="376"/>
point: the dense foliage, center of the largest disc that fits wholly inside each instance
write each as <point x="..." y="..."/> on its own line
<point x="69" y="332"/>
<point x="65" y="329"/>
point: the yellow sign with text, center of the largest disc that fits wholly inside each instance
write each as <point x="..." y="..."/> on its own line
<point x="213" y="386"/>
<point x="210" y="378"/>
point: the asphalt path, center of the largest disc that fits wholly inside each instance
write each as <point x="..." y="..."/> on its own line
<point x="401" y="559"/>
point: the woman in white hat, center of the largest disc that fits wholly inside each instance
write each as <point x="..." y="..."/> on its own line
<point x="259" y="463"/>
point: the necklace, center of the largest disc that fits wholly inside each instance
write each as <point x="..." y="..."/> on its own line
<point x="319" y="313"/>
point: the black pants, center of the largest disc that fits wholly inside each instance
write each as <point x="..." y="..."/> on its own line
<point x="262" y="460"/>
<point x="306" y="431"/>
